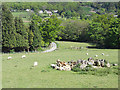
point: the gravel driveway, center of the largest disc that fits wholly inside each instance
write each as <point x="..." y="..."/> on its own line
<point x="53" y="47"/>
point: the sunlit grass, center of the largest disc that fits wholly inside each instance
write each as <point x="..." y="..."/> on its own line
<point x="17" y="72"/>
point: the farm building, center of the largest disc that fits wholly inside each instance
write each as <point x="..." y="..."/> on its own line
<point x="41" y="11"/>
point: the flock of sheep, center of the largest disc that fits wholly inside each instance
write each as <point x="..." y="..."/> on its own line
<point x="67" y="66"/>
<point x="97" y="55"/>
<point x="24" y="56"/>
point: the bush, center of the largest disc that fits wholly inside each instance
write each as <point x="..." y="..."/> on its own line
<point x="12" y="51"/>
<point x="93" y="71"/>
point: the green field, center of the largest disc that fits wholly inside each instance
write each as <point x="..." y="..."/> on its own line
<point x="17" y="72"/>
<point x="24" y="15"/>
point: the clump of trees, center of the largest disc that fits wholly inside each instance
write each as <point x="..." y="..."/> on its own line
<point x="74" y="30"/>
<point x="104" y="30"/>
<point x="67" y="9"/>
<point x="16" y="36"/>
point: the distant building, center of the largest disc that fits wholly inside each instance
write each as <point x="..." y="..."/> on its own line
<point x="31" y="10"/>
<point x="55" y="11"/>
<point x="93" y="11"/>
<point x="115" y="15"/>
<point x="27" y="10"/>
<point x="88" y="15"/>
<point x="40" y="11"/>
<point x="48" y="12"/>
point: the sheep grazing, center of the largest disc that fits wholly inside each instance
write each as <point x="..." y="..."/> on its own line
<point x="57" y="68"/>
<point x="23" y="56"/>
<point x="9" y="58"/>
<point x="68" y="66"/>
<point x="108" y="65"/>
<point x="96" y="55"/>
<point x="90" y="58"/>
<point x="86" y="53"/>
<point x="53" y="65"/>
<point x="103" y="54"/>
<point x="35" y="64"/>
<point x="83" y="66"/>
<point x="81" y="47"/>
<point x="114" y="64"/>
<point x="62" y="68"/>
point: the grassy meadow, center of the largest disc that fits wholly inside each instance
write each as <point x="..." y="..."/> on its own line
<point x="24" y="15"/>
<point x="18" y="72"/>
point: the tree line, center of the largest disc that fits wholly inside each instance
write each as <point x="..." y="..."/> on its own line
<point x="104" y="30"/>
<point x="16" y="36"/>
<point x="67" y="9"/>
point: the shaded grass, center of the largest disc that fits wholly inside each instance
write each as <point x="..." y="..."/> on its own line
<point x="99" y="72"/>
<point x="19" y="73"/>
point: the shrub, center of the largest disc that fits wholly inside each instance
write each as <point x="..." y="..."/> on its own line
<point x="96" y="71"/>
<point x="12" y="51"/>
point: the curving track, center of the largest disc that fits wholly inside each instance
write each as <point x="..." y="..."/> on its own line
<point x="53" y="47"/>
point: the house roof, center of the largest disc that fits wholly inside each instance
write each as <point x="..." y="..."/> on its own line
<point x="40" y="11"/>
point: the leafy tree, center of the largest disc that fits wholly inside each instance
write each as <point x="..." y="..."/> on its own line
<point x="62" y="14"/>
<point x="68" y="14"/>
<point x="51" y="27"/>
<point x="112" y="36"/>
<point x="104" y="30"/>
<point x="74" y="30"/>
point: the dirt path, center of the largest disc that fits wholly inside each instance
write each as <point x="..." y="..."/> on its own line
<point x="53" y="47"/>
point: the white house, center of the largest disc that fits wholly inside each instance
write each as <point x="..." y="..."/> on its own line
<point x="55" y="11"/>
<point x="93" y="11"/>
<point x="48" y="12"/>
<point x="115" y="15"/>
<point x="27" y="10"/>
<point x="40" y="11"/>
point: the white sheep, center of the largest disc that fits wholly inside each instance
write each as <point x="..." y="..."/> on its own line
<point x="23" y="56"/>
<point x="35" y="64"/>
<point x="10" y="57"/>
<point x="56" y="67"/>
<point x="81" y="47"/>
<point x="108" y="64"/>
<point x="102" y="53"/>
<point x="53" y="65"/>
<point x="96" y="55"/>
<point x="62" y="68"/>
<point x="67" y="68"/>
<point x="86" y="53"/>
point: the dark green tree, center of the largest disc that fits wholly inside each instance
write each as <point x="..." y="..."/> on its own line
<point x="21" y="34"/>
<point x="35" y="38"/>
<point x="8" y="29"/>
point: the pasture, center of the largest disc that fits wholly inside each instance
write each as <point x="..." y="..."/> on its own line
<point x="19" y="73"/>
<point x="24" y="15"/>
